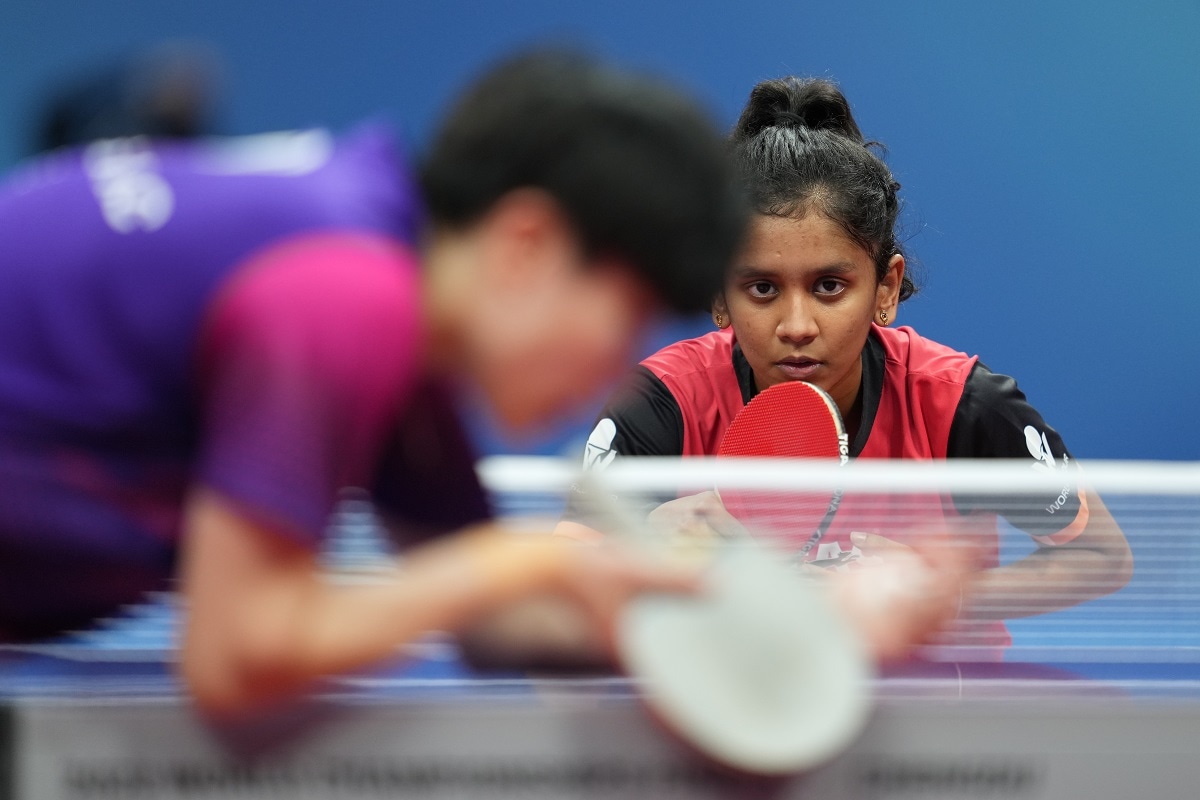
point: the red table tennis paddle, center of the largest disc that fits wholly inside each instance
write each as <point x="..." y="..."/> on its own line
<point x="789" y="420"/>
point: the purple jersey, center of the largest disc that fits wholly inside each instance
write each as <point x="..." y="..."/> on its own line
<point x="242" y="314"/>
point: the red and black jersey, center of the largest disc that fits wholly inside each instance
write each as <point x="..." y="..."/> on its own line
<point x="919" y="399"/>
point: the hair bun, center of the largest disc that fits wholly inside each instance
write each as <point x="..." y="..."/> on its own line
<point x="792" y="102"/>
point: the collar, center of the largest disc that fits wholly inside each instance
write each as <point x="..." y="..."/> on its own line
<point x="870" y="391"/>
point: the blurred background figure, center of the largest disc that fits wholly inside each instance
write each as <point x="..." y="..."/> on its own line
<point x="169" y="91"/>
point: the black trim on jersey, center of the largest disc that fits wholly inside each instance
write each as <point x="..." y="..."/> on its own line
<point x="744" y="373"/>
<point x="991" y="422"/>
<point x="869" y="391"/>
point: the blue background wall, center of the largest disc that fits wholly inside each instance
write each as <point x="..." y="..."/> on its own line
<point x="1048" y="154"/>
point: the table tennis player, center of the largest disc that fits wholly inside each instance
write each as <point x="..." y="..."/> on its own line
<point x="202" y="343"/>
<point x="814" y="297"/>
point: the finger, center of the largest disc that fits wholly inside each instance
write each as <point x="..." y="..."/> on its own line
<point x="876" y="544"/>
<point x="897" y="603"/>
<point x="666" y="574"/>
<point x="578" y="531"/>
<point x="696" y="529"/>
<point x="723" y="523"/>
<point x="604" y="580"/>
<point x="624" y="570"/>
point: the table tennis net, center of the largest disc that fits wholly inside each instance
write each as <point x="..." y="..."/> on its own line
<point x="981" y="506"/>
<point x="999" y="513"/>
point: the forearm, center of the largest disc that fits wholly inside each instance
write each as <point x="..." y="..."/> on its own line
<point x="262" y="622"/>
<point x="446" y="586"/>
<point x="1097" y="563"/>
<point x="1042" y="582"/>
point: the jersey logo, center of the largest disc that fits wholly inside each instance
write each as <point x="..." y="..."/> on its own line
<point x="125" y="181"/>
<point x="1039" y="448"/>
<point x="599" y="451"/>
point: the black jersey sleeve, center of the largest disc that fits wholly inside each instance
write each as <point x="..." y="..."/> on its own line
<point x="995" y="420"/>
<point x="641" y="419"/>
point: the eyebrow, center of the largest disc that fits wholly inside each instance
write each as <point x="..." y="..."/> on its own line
<point x="836" y="268"/>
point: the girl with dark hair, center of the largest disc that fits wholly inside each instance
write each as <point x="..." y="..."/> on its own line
<point x="814" y="296"/>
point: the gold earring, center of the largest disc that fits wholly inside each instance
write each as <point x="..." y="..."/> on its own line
<point x="720" y="320"/>
<point x="883" y="317"/>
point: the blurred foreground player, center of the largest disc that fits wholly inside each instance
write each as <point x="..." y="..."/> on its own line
<point x="201" y="344"/>
<point x="814" y="297"/>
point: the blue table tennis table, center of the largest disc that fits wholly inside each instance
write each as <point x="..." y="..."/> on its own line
<point x="101" y="715"/>
<point x="1100" y="701"/>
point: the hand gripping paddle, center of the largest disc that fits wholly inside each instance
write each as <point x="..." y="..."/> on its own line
<point x="760" y="672"/>
<point x="789" y="420"/>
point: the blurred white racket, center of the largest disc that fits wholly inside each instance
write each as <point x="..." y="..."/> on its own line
<point x="761" y="672"/>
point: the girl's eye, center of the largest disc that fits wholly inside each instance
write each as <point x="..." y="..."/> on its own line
<point x="761" y="289"/>
<point x="829" y="287"/>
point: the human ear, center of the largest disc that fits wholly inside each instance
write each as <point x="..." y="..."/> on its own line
<point x="720" y="311"/>
<point x="887" y="292"/>
<point x="527" y="237"/>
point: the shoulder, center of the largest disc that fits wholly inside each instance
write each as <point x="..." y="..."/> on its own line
<point x="643" y="418"/>
<point x="333" y="298"/>
<point x="339" y="270"/>
<point x="283" y="154"/>
<point x="994" y="419"/>
<point x="294" y="180"/>
<point x="915" y="355"/>
<point x="699" y="372"/>
<point x="691" y="356"/>
<point x="306" y="357"/>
